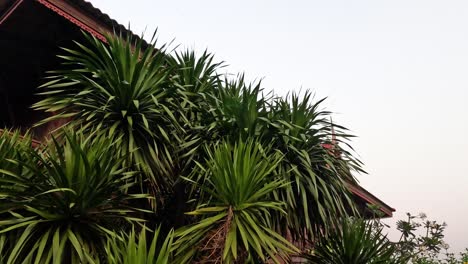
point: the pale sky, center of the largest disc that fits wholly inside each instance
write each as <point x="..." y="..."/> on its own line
<point x="395" y="73"/>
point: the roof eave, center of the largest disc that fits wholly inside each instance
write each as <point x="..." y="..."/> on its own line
<point x="371" y="199"/>
<point x="10" y="8"/>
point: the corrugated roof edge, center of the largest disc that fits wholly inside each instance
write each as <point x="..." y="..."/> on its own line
<point x="103" y="17"/>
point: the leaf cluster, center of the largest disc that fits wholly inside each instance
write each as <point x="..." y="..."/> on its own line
<point x="162" y="137"/>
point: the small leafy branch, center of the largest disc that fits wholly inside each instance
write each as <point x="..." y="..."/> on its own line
<point x="421" y="240"/>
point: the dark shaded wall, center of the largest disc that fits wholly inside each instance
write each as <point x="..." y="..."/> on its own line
<point x="29" y="43"/>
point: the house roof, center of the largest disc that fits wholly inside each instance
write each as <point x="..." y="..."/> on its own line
<point x="362" y="196"/>
<point x="83" y="14"/>
<point x="98" y="14"/>
<point x="80" y="12"/>
<point x="369" y="198"/>
<point x="6" y="8"/>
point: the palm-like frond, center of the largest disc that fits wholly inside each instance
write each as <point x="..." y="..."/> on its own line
<point x="160" y="110"/>
<point x="235" y="210"/>
<point x="123" y="91"/>
<point x="4" y="248"/>
<point x="317" y="168"/>
<point x="238" y="109"/>
<point x="353" y="242"/>
<point x="132" y="248"/>
<point x="13" y="146"/>
<point x="195" y="78"/>
<point x="195" y="75"/>
<point x="62" y="202"/>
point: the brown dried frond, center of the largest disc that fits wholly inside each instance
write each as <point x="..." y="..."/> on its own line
<point x="212" y="247"/>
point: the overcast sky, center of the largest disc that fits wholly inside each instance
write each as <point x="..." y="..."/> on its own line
<point x="395" y="73"/>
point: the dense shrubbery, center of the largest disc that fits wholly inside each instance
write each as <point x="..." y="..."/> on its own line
<point x="161" y="141"/>
<point x="164" y="160"/>
<point x="422" y="241"/>
<point x="356" y="241"/>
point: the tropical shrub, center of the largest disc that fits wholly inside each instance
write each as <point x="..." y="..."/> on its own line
<point x="63" y="201"/>
<point x="132" y="248"/>
<point x="355" y="241"/>
<point x="231" y="169"/>
<point x="422" y="241"/>
<point x="13" y="146"/>
<point x="123" y="91"/>
<point x="234" y="211"/>
<point x="167" y="108"/>
<point x="318" y="192"/>
<point x="299" y="129"/>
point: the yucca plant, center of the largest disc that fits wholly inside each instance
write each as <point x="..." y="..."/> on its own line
<point x="194" y="77"/>
<point x="3" y="248"/>
<point x="315" y="164"/>
<point x="354" y="241"/>
<point x="121" y="88"/>
<point x="317" y="167"/>
<point x="132" y="248"/>
<point x="61" y="204"/>
<point x="13" y="145"/>
<point x="238" y="108"/>
<point x="161" y="111"/>
<point x="235" y="207"/>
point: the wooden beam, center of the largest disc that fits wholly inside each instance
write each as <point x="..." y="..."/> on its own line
<point x="10" y="11"/>
<point x="371" y="199"/>
<point x="78" y="17"/>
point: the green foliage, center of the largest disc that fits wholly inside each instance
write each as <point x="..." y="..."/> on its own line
<point x="237" y="109"/>
<point x="195" y="80"/>
<point x="319" y="176"/>
<point x="59" y="205"/>
<point x="122" y="91"/>
<point x="464" y="255"/>
<point x="422" y="241"/>
<point x="3" y="248"/>
<point x="132" y="248"/>
<point x="353" y="242"/>
<point x="249" y="168"/>
<point x="297" y="128"/>
<point x="357" y="241"/>
<point x="234" y="214"/>
<point x="13" y="146"/>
